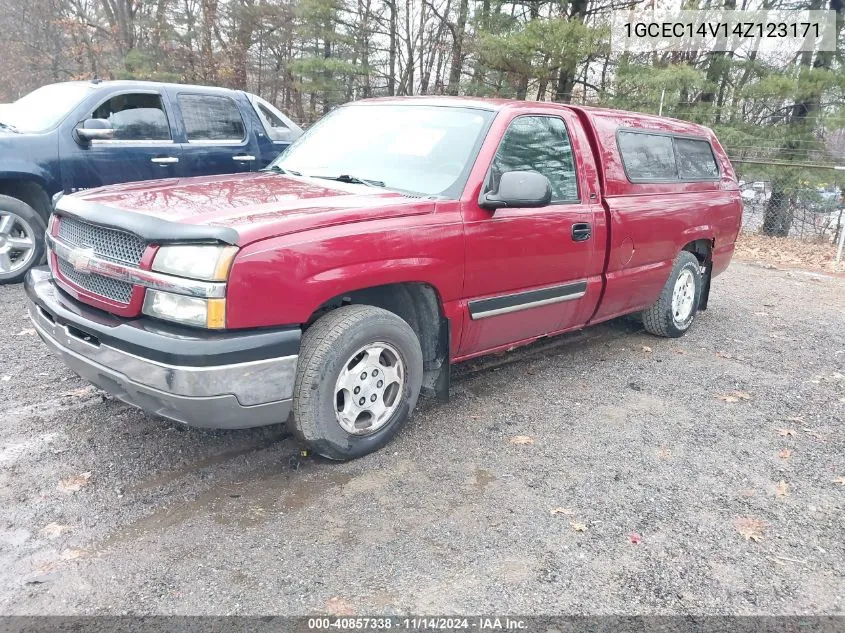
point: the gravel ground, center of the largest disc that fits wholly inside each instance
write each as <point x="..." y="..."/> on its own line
<point x="639" y="491"/>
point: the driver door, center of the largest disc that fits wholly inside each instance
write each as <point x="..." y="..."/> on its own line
<point x="142" y="147"/>
<point x="528" y="269"/>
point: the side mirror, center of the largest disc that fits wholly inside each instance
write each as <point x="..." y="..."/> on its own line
<point x="520" y="189"/>
<point x="95" y="130"/>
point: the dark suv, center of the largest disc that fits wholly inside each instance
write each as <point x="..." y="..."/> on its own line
<point x="72" y="136"/>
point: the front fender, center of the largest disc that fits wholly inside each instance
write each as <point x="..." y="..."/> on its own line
<point x="31" y="158"/>
<point x="283" y="281"/>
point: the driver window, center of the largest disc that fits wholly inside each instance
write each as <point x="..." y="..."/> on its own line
<point x="541" y="144"/>
<point x="135" y="117"/>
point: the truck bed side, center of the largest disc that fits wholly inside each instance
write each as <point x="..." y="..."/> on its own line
<point x="649" y="223"/>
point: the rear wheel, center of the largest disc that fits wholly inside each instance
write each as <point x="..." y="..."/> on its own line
<point x="358" y="379"/>
<point x="21" y="239"/>
<point x="674" y="312"/>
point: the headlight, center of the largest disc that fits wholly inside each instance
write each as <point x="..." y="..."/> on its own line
<point x="206" y="313"/>
<point x="201" y="261"/>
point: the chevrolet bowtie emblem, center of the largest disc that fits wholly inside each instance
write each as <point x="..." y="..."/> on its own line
<point x="80" y="259"/>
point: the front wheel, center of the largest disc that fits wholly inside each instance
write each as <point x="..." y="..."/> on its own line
<point x="673" y="313"/>
<point x="21" y="239"/>
<point x="357" y="381"/>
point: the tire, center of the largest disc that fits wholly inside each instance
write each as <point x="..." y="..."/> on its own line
<point x="20" y="224"/>
<point x="327" y="364"/>
<point x="672" y="319"/>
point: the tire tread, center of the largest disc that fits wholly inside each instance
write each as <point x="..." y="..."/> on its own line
<point x="317" y="343"/>
<point x="657" y="319"/>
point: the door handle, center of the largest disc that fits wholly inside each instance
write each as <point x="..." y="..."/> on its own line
<point x="243" y="157"/>
<point x="164" y="160"/>
<point x="581" y="232"/>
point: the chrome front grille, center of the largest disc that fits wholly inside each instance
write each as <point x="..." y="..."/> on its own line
<point x="112" y="244"/>
<point x="113" y="289"/>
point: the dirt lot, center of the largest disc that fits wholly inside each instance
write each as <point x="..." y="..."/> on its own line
<point x="699" y="475"/>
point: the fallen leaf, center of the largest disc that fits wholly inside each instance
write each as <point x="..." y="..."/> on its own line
<point x="838" y="480"/>
<point x="680" y="351"/>
<point x="794" y="418"/>
<point x="812" y="434"/>
<point x="785" y="454"/>
<point x="80" y="393"/>
<point x="26" y="332"/>
<point x="72" y="553"/>
<point x="561" y="510"/>
<point x="782" y="489"/>
<point x="635" y="538"/>
<point x="522" y="439"/>
<point x="664" y="453"/>
<point x="339" y="606"/>
<point x="786" y="432"/>
<point x="52" y="530"/>
<point x="578" y="527"/>
<point x="646" y="348"/>
<point x="751" y="529"/>
<point x="723" y="355"/>
<point x="74" y="483"/>
<point x="734" y="396"/>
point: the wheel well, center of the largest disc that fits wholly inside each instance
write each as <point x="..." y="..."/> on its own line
<point x="703" y="250"/>
<point x="419" y="305"/>
<point x="29" y="192"/>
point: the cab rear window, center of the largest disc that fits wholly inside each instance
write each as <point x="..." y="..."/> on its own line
<point x="695" y="159"/>
<point x="666" y="158"/>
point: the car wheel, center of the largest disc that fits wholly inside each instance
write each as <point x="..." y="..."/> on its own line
<point x="21" y="239"/>
<point x="674" y="312"/>
<point x="357" y="381"/>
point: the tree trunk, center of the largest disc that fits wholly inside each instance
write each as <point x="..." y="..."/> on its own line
<point x="484" y="26"/>
<point x="364" y="45"/>
<point x="327" y="75"/>
<point x="568" y="71"/>
<point x="209" y="18"/>
<point x="777" y="219"/>
<point x="778" y="216"/>
<point x="391" y="68"/>
<point x="458" y="48"/>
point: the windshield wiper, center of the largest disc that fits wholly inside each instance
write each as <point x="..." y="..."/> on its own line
<point x="7" y="126"/>
<point x="280" y="170"/>
<point x="354" y="180"/>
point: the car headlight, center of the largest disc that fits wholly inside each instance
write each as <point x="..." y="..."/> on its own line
<point x="205" y="313"/>
<point x="201" y="261"/>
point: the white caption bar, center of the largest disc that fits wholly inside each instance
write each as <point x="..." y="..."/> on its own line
<point x="776" y="31"/>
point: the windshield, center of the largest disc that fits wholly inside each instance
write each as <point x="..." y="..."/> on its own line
<point x="419" y="149"/>
<point x="42" y="109"/>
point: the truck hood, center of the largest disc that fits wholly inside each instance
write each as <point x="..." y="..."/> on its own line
<point x="256" y="205"/>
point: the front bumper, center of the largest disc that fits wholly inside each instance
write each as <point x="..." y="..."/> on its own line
<point x="213" y="380"/>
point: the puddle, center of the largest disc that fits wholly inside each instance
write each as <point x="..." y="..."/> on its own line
<point x="162" y="479"/>
<point x="242" y="504"/>
<point x="483" y="478"/>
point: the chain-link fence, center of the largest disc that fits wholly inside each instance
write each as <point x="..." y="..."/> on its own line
<point x="805" y="213"/>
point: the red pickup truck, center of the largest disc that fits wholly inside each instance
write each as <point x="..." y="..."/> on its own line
<point x="397" y="236"/>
